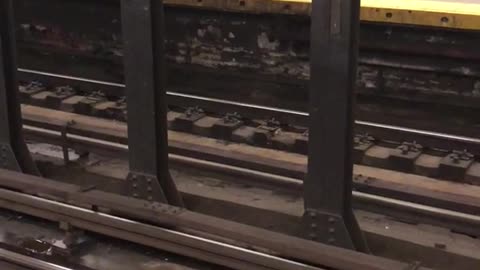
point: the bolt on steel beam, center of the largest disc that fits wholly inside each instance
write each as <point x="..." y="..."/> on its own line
<point x="144" y="64"/>
<point x="14" y="154"/>
<point x="328" y="214"/>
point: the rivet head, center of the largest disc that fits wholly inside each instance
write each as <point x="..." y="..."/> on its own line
<point x="149" y="180"/>
<point x="331" y="220"/>
<point x="134" y="185"/>
<point x="331" y="240"/>
<point x="331" y="230"/>
<point x="135" y="195"/>
<point x="312" y="236"/>
<point x="313" y="214"/>
<point x="149" y="189"/>
<point x="150" y="198"/>
<point x="313" y="225"/>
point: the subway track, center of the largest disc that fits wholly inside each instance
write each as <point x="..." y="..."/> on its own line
<point x="249" y="162"/>
<point x="387" y="205"/>
<point x="432" y="72"/>
<point x="15" y="261"/>
<point x="432" y="154"/>
<point x="68" y="135"/>
<point x="377" y="145"/>
<point x="396" y="208"/>
<point x="256" y="248"/>
<point x="428" y="153"/>
<point x="31" y="241"/>
<point x="434" y="66"/>
<point x="239" y="211"/>
<point x="416" y="171"/>
<point x="375" y="107"/>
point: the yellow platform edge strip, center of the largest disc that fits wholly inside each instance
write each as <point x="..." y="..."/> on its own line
<point x="433" y="13"/>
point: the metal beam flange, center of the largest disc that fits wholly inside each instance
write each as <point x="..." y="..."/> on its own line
<point x="14" y="154"/>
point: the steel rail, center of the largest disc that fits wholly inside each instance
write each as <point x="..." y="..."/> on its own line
<point x="29" y="262"/>
<point x="434" y="215"/>
<point x="420" y="132"/>
<point x="98" y="204"/>
<point x="166" y="239"/>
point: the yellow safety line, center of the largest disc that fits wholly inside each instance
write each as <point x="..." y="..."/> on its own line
<point x="456" y="7"/>
<point x="436" y="13"/>
<point x="439" y="13"/>
<point x="449" y="7"/>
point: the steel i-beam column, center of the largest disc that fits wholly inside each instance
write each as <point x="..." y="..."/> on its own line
<point x="143" y="34"/>
<point x="328" y="187"/>
<point x="14" y="154"/>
